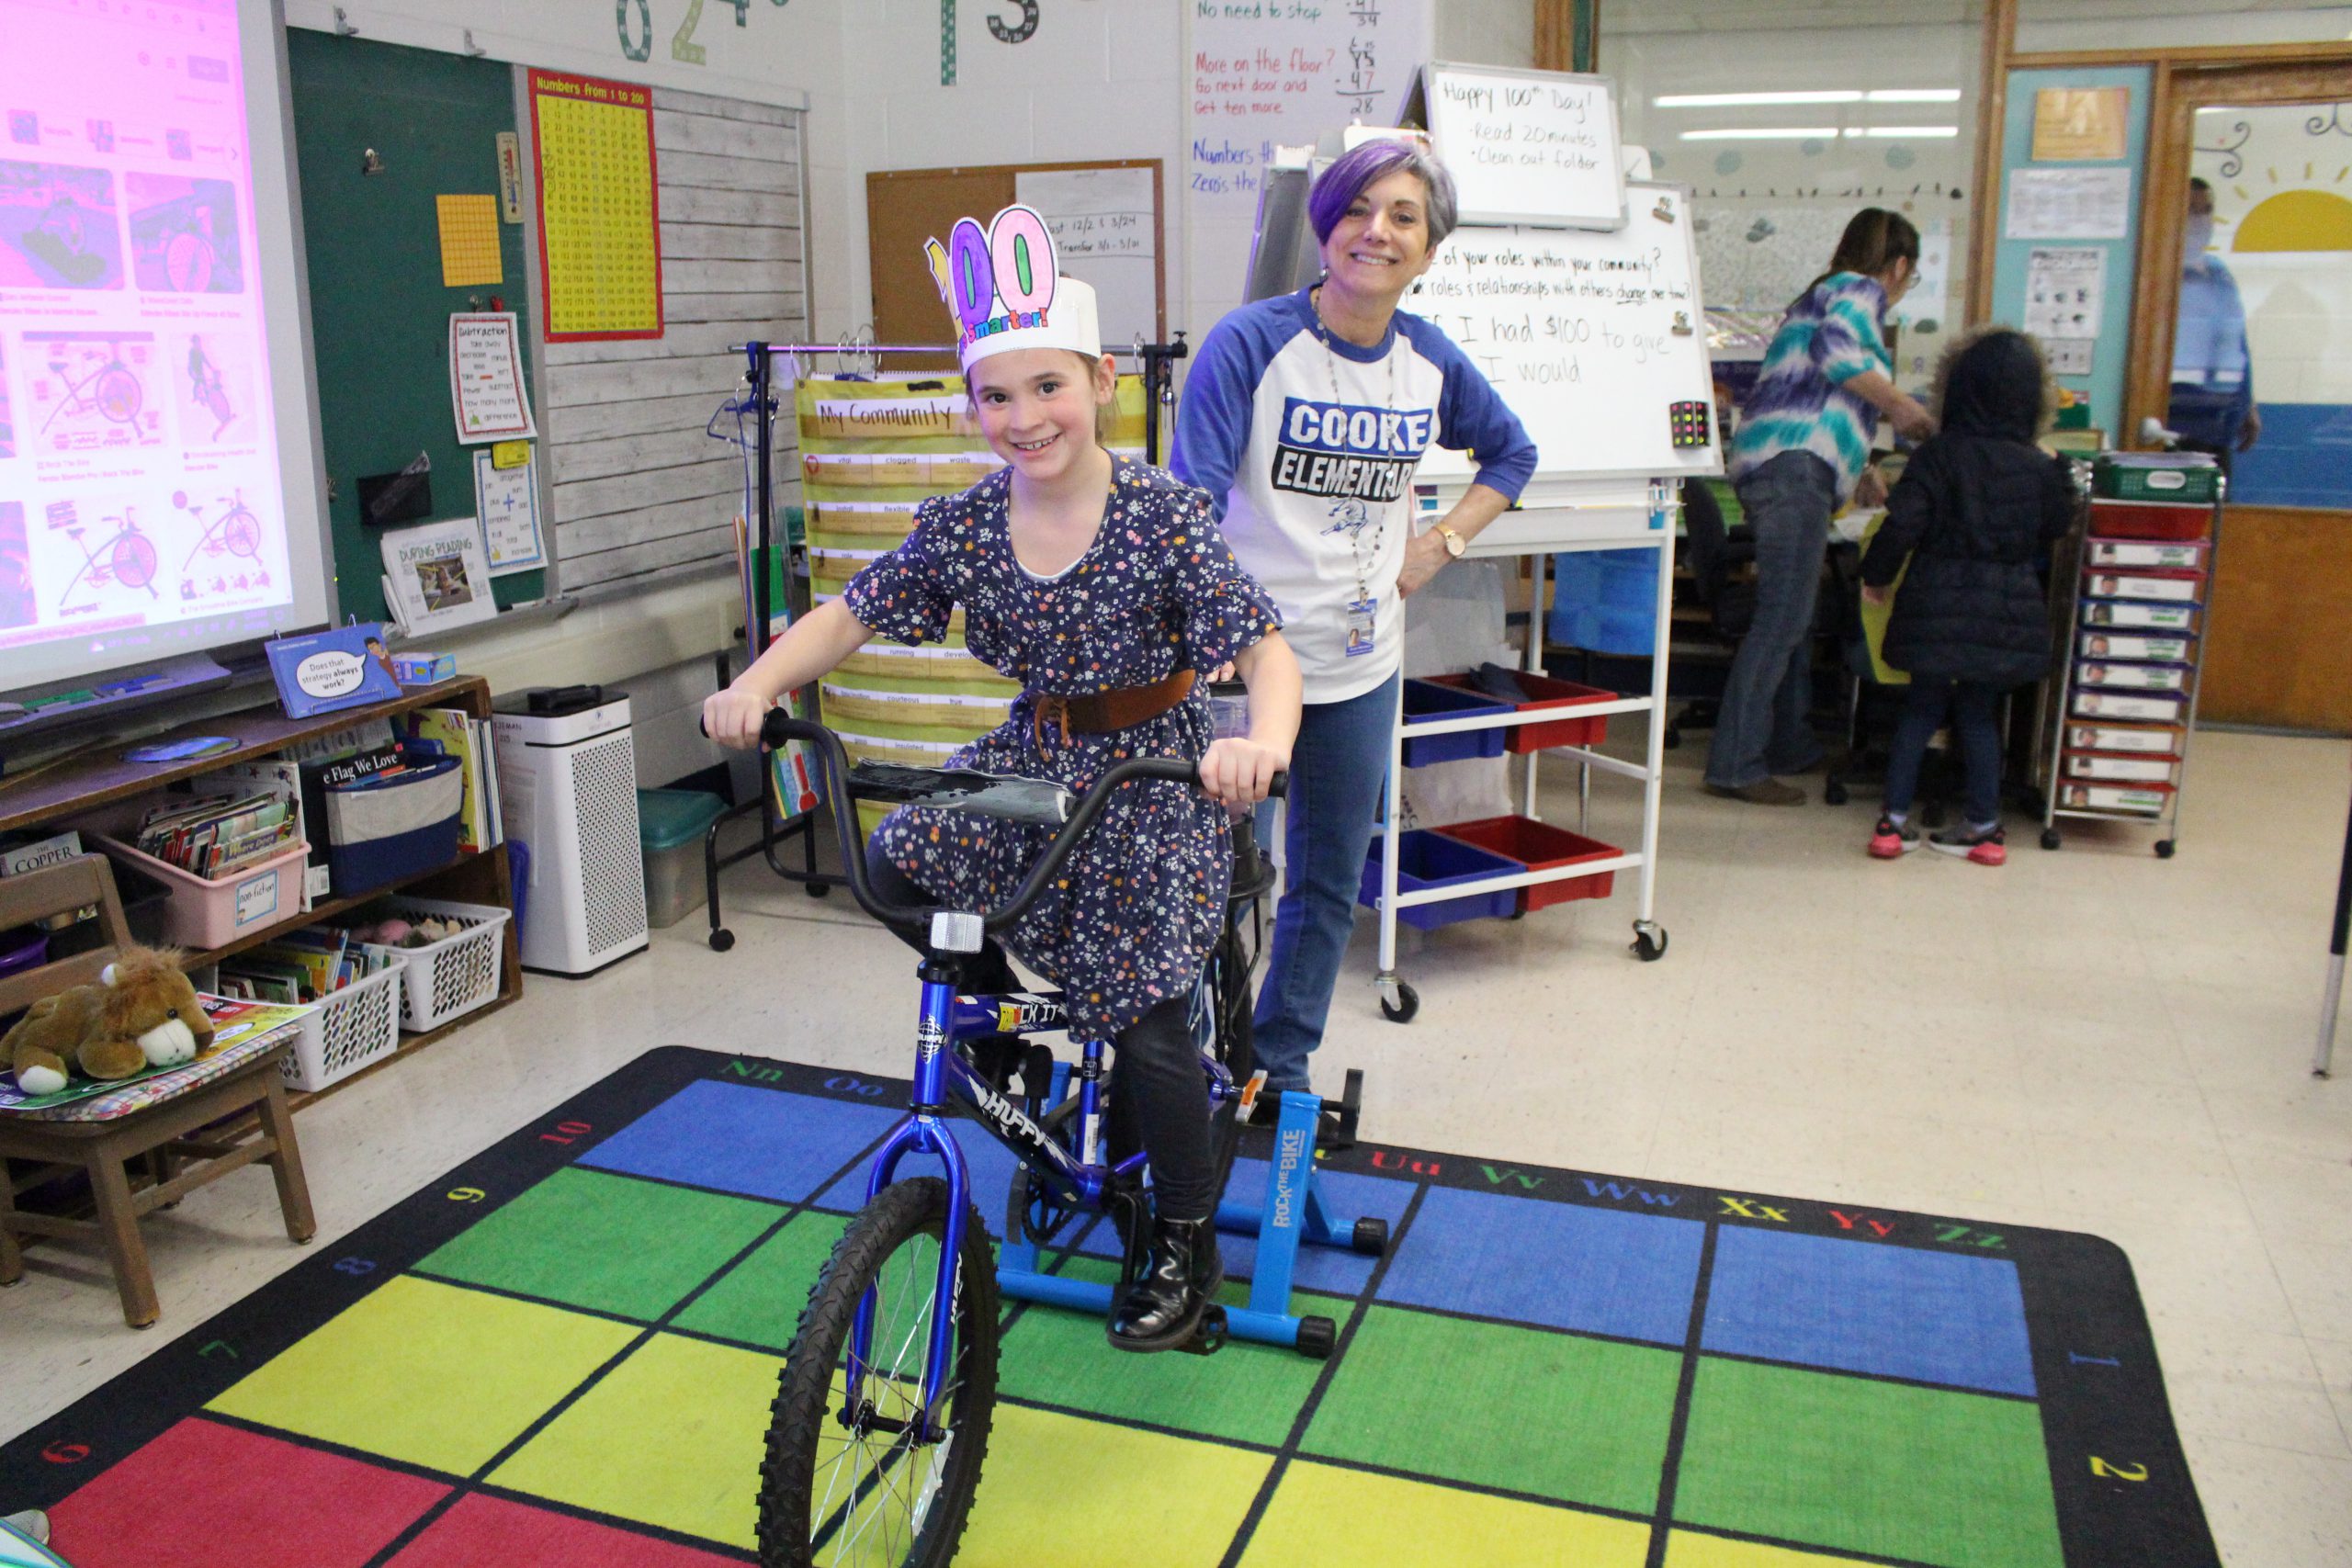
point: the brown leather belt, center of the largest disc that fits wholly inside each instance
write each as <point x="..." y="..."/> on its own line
<point x="1099" y="713"/>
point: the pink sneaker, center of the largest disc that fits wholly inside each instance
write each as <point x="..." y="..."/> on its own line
<point x="1986" y="848"/>
<point x="1891" y="843"/>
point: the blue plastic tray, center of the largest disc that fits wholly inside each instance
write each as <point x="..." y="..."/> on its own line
<point x="1426" y="699"/>
<point x="1425" y="860"/>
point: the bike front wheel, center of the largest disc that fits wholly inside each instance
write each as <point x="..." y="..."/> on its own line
<point x="869" y="1487"/>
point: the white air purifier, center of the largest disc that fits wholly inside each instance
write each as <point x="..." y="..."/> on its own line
<point x="567" y="785"/>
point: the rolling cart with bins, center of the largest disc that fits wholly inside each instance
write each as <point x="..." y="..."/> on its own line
<point x="2127" y="696"/>
<point x="1507" y="867"/>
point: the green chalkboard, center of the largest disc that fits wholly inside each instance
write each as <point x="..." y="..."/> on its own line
<point x="380" y="314"/>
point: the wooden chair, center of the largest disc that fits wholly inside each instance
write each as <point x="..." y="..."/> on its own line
<point x="162" y="1133"/>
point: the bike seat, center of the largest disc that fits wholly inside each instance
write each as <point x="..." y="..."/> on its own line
<point x="1003" y="796"/>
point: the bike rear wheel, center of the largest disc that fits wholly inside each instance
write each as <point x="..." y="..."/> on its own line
<point x="854" y="1489"/>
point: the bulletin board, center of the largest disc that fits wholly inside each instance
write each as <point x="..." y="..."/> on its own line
<point x="600" y="254"/>
<point x="379" y="308"/>
<point x="906" y="206"/>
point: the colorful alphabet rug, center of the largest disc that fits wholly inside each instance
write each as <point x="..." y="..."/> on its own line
<point x="563" y="1353"/>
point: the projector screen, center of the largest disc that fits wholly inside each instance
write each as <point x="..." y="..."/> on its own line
<point x="160" y="483"/>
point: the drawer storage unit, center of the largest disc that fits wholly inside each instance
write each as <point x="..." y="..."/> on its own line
<point x="2127" y="699"/>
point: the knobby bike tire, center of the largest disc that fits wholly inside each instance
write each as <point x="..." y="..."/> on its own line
<point x="803" y="1415"/>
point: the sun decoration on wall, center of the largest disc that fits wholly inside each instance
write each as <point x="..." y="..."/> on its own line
<point x="2299" y="219"/>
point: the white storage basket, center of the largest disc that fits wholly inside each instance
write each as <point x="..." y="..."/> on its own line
<point x="354" y="1026"/>
<point x="451" y="977"/>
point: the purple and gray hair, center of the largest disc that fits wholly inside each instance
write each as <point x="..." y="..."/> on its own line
<point x="1348" y="177"/>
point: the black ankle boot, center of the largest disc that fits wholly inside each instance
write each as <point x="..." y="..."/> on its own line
<point x="1162" y="1308"/>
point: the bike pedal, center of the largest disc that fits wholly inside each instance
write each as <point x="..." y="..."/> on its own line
<point x="1209" y="1337"/>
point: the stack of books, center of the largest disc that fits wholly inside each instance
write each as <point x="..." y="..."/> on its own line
<point x="215" y="836"/>
<point x="300" y="967"/>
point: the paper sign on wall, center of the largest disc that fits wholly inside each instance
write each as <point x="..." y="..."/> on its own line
<point x="507" y="502"/>
<point x="469" y="254"/>
<point x="1105" y="225"/>
<point x="2069" y="204"/>
<point x="2065" y="290"/>
<point x="486" y="378"/>
<point x="2088" y="124"/>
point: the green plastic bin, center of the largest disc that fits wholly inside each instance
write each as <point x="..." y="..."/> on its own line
<point x="670" y="828"/>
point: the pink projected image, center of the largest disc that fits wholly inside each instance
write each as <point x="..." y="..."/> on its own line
<point x="139" y="435"/>
<point x="183" y="235"/>
<point x="58" y="228"/>
<point x="16" y="567"/>
<point x="92" y="391"/>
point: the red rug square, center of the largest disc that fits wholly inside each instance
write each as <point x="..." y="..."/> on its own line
<point x="482" y="1530"/>
<point x="209" y="1495"/>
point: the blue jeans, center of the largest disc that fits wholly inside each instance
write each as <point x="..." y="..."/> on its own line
<point x="1338" y="772"/>
<point x="1972" y="707"/>
<point x="1764" y="726"/>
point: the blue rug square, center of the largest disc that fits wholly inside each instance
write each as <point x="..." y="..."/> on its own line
<point x="1554" y="1265"/>
<point x="1862" y="1306"/>
<point x="764" y="1143"/>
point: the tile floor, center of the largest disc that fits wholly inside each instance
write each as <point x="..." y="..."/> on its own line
<point x="2093" y="1040"/>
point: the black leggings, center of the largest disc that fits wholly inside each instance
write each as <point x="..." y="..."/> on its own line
<point x="1159" y="1096"/>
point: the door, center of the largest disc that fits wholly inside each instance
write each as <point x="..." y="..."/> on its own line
<point x="2244" y="340"/>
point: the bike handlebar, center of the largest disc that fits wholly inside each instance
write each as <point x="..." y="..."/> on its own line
<point x="780" y="727"/>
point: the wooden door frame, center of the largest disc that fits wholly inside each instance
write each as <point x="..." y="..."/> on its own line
<point x="2181" y="88"/>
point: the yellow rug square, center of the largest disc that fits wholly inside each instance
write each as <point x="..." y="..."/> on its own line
<point x="1321" y="1514"/>
<point x="1162" y="1500"/>
<point x="672" y="1437"/>
<point x="427" y="1374"/>
<point x="1688" y="1549"/>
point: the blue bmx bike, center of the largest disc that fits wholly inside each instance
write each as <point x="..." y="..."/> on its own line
<point x="882" y="1411"/>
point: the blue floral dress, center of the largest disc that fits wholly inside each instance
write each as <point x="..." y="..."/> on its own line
<point x="1139" y="903"/>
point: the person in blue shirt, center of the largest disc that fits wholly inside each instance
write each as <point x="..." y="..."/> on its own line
<point x="2213" y="371"/>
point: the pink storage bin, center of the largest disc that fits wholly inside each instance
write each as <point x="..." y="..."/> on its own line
<point x="204" y="914"/>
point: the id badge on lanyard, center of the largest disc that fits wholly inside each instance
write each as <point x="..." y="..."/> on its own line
<point x="1363" y="615"/>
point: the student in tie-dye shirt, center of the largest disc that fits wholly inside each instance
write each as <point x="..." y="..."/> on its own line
<point x="1803" y="449"/>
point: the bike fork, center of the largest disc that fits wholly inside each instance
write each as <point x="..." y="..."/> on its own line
<point x="923" y="1132"/>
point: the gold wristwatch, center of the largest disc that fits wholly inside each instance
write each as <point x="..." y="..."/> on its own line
<point x="1454" y="543"/>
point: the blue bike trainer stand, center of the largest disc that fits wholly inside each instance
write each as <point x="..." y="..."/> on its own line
<point x="1291" y="1213"/>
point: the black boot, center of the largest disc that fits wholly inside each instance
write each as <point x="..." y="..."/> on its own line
<point x="1163" y="1309"/>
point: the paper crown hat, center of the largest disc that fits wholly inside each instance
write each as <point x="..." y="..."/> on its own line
<point x="1005" y="290"/>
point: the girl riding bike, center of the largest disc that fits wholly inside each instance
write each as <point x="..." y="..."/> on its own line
<point x="1102" y="586"/>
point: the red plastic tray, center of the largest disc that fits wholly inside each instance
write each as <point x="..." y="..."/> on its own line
<point x="1550" y="693"/>
<point x="1539" y="846"/>
<point x="2150" y="520"/>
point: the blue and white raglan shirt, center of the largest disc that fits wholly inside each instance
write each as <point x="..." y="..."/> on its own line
<point x="1307" y="444"/>
<point x="1800" y="402"/>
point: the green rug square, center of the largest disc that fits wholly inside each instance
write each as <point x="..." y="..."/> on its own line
<point x="672" y="1437"/>
<point x="610" y="1242"/>
<point x="1248" y="1392"/>
<point x="758" y="1302"/>
<point x="427" y="1374"/>
<point x="1931" y="1475"/>
<point x="1521" y="1409"/>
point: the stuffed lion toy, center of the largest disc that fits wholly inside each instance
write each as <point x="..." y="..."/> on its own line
<point x="141" y="1013"/>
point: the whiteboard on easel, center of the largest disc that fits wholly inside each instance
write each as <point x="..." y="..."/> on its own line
<point x="1595" y="339"/>
<point x="1105" y="224"/>
<point x="1528" y="147"/>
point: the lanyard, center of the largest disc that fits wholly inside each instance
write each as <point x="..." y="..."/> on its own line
<point x="1363" y="562"/>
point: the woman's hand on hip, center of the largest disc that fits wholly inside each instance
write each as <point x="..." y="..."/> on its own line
<point x="1425" y="557"/>
<point x="732" y="718"/>
<point x="1239" y="771"/>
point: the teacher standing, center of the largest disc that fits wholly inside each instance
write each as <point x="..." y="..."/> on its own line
<point x="1303" y="417"/>
<point x="1802" y="447"/>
